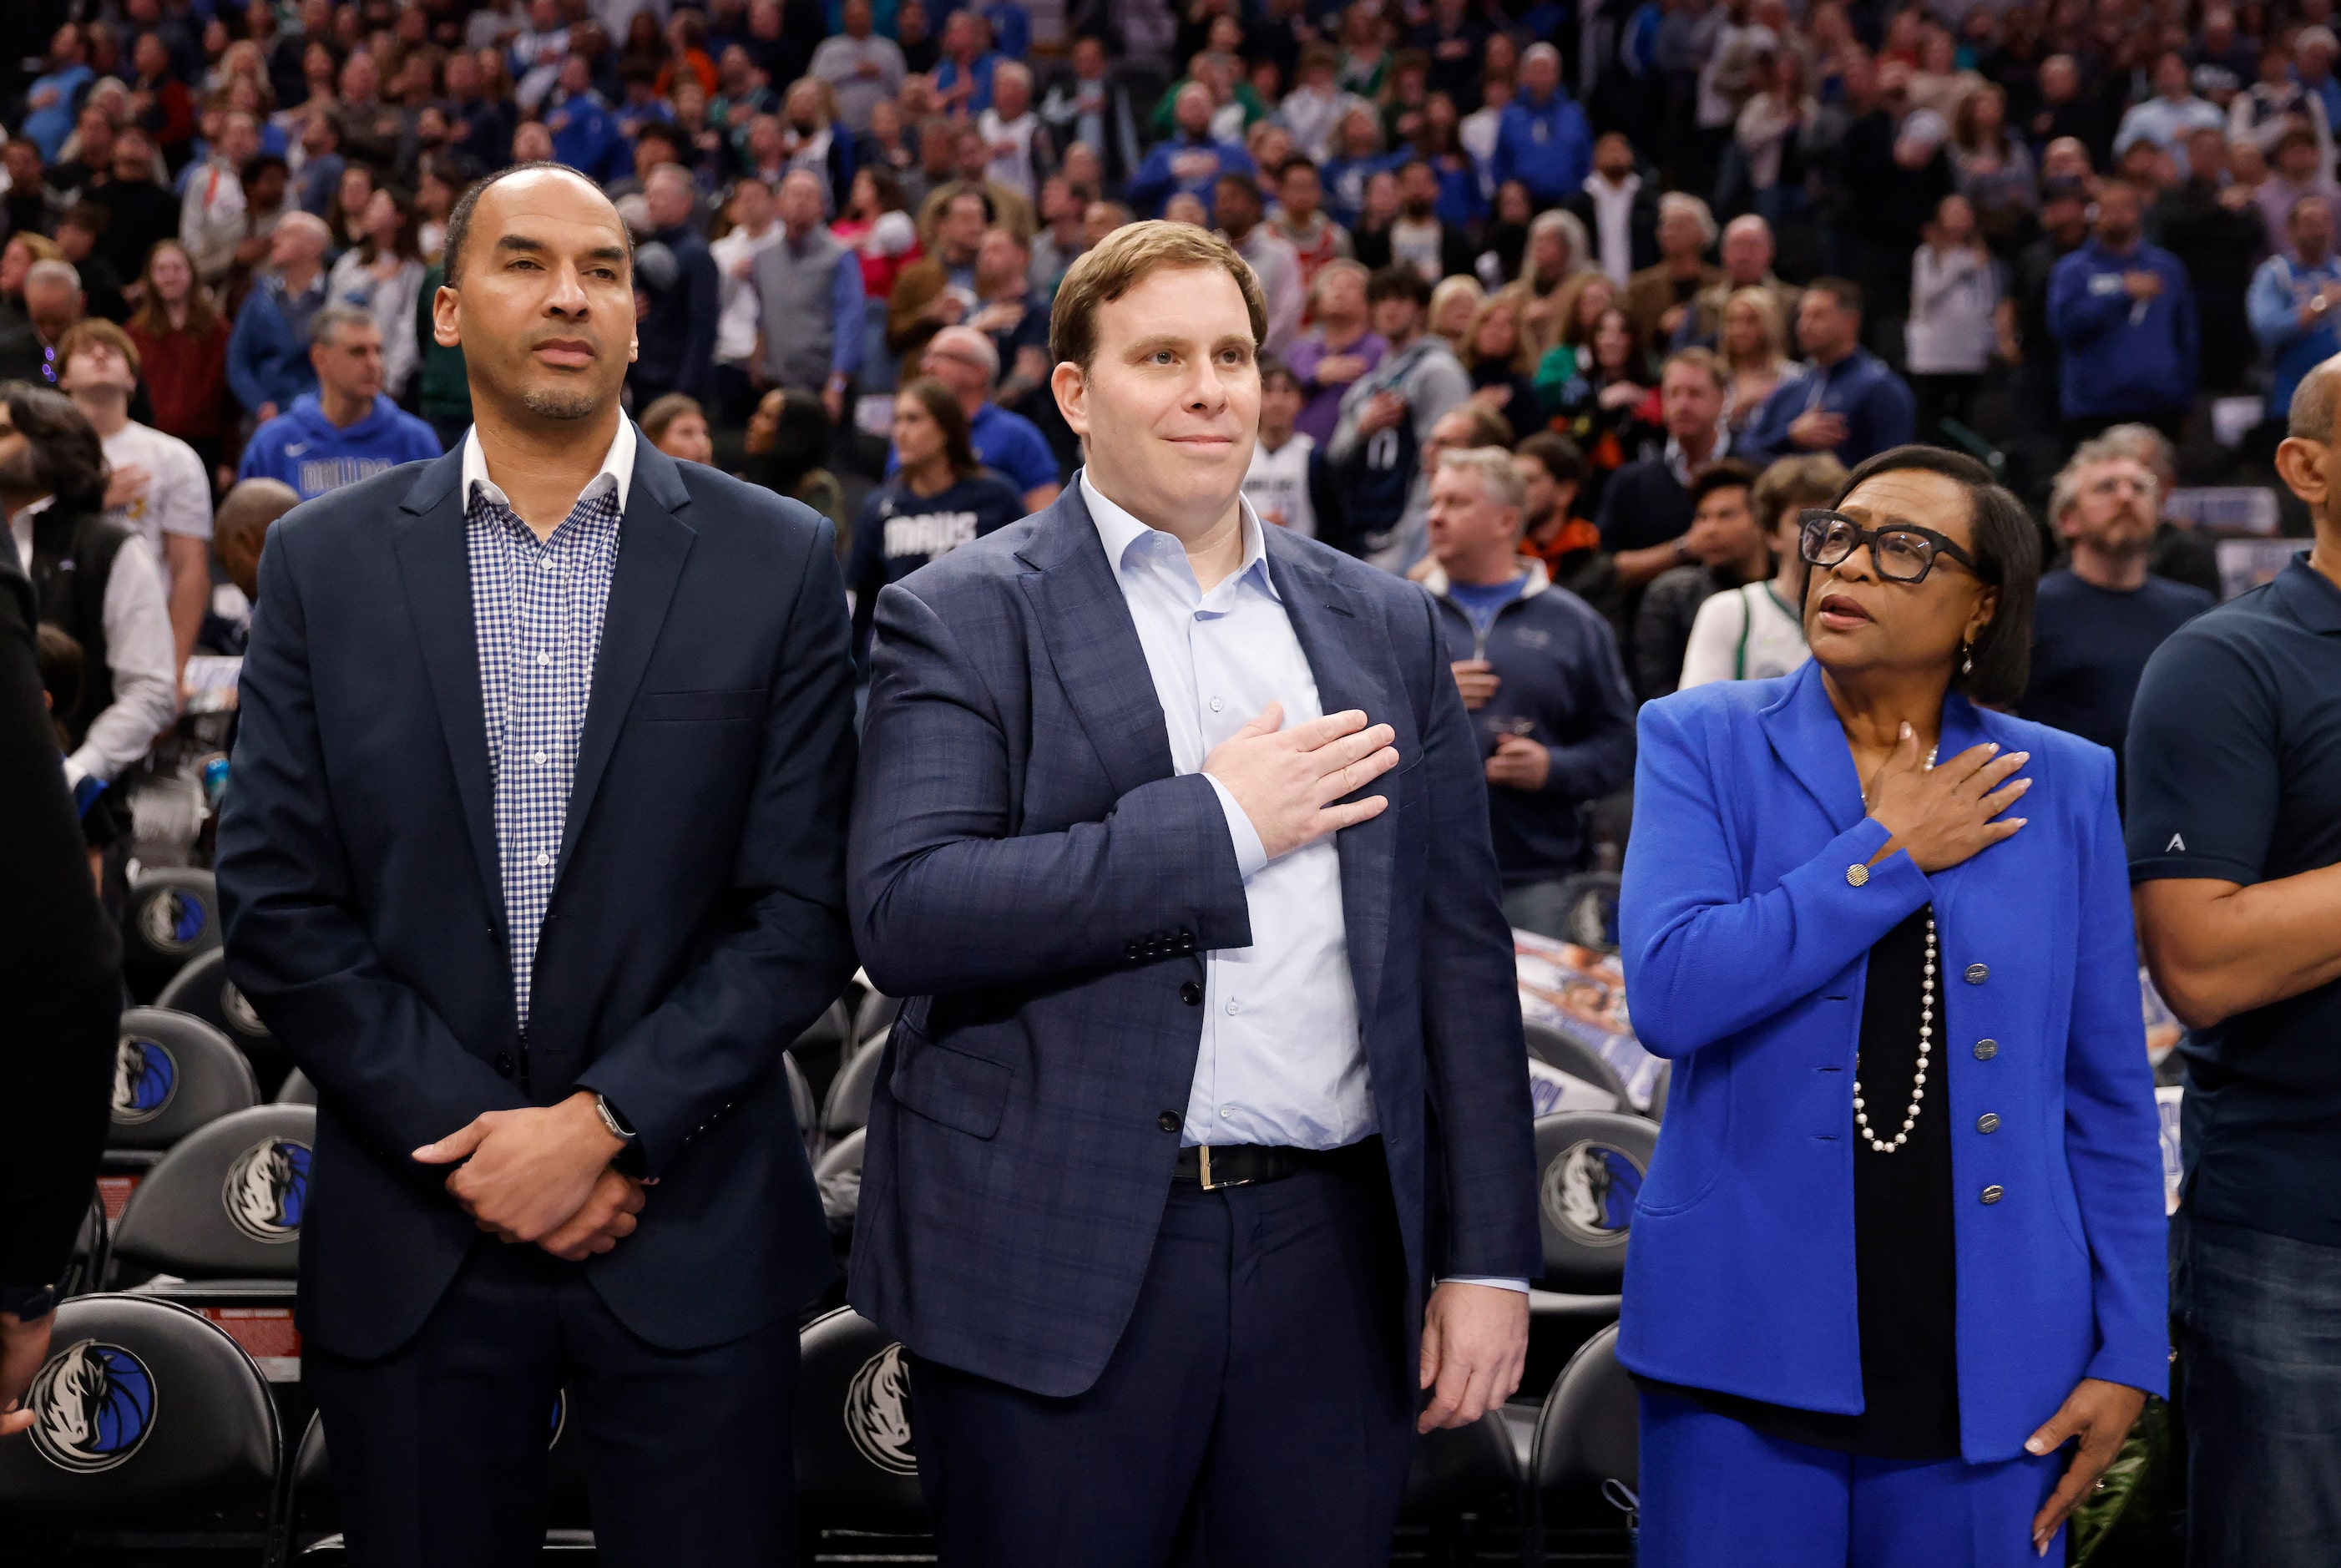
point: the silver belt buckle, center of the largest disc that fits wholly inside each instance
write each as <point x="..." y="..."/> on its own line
<point x="1203" y="1154"/>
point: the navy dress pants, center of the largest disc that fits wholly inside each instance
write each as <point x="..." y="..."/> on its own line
<point x="439" y="1449"/>
<point x="1256" y="1410"/>
<point x="2259" y="1350"/>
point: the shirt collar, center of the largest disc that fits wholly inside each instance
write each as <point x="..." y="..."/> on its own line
<point x="1680" y="468"/>
<point x="2309" y="596"/>
<point x="1118" y="531"/>
<point x="617" y="471"/>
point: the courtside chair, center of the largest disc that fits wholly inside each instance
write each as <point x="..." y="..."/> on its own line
<point x="1585" y="1466"/>
<point x="857" y="1466"/>
<point x="201" y="990"/>
<point x="154" y="1433"/>
<point x="172" y="915"/>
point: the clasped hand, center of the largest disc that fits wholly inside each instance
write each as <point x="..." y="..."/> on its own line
<point x="542" y="1176"/>
<point x="1286" y="781"/>
<point x="1945" y="815"/>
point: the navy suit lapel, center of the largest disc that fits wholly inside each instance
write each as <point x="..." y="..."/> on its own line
<point x="1808" y="738"/>
<point x="653" y="544"/>
<point x="1346" y="657"/>
<point x="1093" y="644"/>
<point x="434" y="567"/>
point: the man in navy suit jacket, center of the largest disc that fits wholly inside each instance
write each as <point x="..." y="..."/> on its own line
<point x="534" y="860"/>
<point x="1211" y="1067"/>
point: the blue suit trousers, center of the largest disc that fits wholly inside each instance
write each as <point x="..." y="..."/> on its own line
<point x="1716" y="1491"/>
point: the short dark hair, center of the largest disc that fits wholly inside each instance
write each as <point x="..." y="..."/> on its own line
<point x="459" y="218"/>
<point x="1843" y="290"/>
<point x="1555" y="453"/>
<point x="1726" y="474"/>
<point x="67" y="458"/>
<point x="2006" y="549"/>
<point x="1398" y="283"/>
<point x="659" y="130"/>
<point x="1270" y="366"/>
<point x="90" y="218"/>
<point x="260" y="164"/>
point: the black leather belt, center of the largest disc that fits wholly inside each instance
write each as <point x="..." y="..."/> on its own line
<point x="1215" y="1166"/>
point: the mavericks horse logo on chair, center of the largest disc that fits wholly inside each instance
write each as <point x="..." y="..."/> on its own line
<point x="145" y="1077"/>
<point x="266" y="1189"/>
<point x="171" y="921"/>
<point x="93" y="1405"/>
<point x="878" y="1413"/>
<point x="1588" y="1193"/>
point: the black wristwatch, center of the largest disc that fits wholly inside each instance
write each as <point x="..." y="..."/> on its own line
<point x="28" y="1304"/>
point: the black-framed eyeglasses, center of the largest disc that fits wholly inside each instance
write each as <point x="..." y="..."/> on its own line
<point x="1904" y="552"/>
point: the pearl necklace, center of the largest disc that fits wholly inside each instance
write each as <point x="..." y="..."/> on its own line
<point x="1925" y="1045"/>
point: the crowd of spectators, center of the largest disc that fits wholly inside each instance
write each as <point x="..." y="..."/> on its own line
<point x="1678" y="264"/>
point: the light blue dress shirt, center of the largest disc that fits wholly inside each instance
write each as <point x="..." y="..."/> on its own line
<point x="1281" y="1062"/>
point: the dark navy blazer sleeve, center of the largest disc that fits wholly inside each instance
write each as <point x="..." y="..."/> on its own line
<point x="944" y="899"/>
<point x="1471" y="1002"/>
<point x="711" y="1038"/>
<point x="288" y="896"/>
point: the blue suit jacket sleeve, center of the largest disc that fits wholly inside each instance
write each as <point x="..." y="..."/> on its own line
<point x="945" y="899"/>
<point x="1704" y="960"/>
<point x="2112" y="1137"/>
<point x="847" y="330"/>
<point x="294" y="945"/>
<point x="244" y="345"/>
<point x="712" y="1038"/>
<point x="1470" y="1007"/>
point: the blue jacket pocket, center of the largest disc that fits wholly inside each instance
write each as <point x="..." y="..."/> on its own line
<point x="963" y="1092"/>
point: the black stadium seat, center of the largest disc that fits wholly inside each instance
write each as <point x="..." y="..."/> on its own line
<point x="1565" y="1053"/>
<point x="172" y="915"/>
<point x="1589" y="1170"/>
<point x="838" y="1173"/>
<point x="833" y="1030"/>
<point x="203" y="990"/>
<point x="1584" y="1459"/>
<point x="172" y="1075"/>
<point x="848" y="1107"/>
<point x="226" y="1203"/>
<point x="857" y="1465"/>
<point x="216" y="1228"/>
<point x="1459" y="1470"/>
<point x="876" y="1016"/>
<point x="153" y="1429"/>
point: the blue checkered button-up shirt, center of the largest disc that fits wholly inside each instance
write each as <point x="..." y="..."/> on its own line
<point x="536" y="608"/>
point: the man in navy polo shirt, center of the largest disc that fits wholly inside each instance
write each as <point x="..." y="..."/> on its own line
<point x="2235" y="850"/>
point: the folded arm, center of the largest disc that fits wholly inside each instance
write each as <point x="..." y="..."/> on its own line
<point x="945" y="899"/>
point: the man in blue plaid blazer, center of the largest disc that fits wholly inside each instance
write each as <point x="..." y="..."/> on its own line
<point x="1170" y="828"/>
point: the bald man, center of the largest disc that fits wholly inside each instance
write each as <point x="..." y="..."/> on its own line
<point x="534" y="863"/>
<point x="2234" y="824"/>
<point x="268" y="366"/>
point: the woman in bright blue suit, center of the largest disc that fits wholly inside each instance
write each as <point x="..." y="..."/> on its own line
<point x="1903" y="1237"/>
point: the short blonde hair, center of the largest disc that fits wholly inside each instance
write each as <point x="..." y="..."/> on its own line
<point x="1127" y="257"/>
